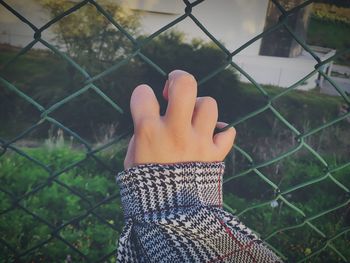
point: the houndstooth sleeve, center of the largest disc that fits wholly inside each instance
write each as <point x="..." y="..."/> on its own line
<point x="173" y="213"/>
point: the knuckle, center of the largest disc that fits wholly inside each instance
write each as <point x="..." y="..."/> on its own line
<point x="180" y="139"/>
<point x="138" y="93"/>
<point x="143" y="87"/>
<point x="140" y="89"/>
<point x="210" y="102"/>
<point x="232" y="132"/>
<point x="230" y="137"/>
<point x="146" y="126"/>
<point x="187" y="80"/>
<point x="210" y="106"/>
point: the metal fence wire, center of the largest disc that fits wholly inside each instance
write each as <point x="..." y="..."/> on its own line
<point x="18" y="202"/>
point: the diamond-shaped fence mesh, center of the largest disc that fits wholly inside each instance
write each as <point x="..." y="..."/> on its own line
<point x="91" y="214"/>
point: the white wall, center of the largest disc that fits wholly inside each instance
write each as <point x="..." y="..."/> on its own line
<point x="278" y="71"/>
<point x="17" y="33"/>
<point x="233" y="22"/>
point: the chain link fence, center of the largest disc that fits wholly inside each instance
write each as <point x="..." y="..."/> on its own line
<point x="92" y="209"/>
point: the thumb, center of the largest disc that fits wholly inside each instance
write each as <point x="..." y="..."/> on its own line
<point x="224" y="140"/>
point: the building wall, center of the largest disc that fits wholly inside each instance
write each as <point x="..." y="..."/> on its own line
<point x="278" y="71"/>
<point x="13" y="31"/>
<point x="232" y="22"/>
<point x="280" y="42"/>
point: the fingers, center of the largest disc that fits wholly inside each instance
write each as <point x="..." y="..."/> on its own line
<point x="143" y="105"/>
<point x="181" y="92"/>
<point x="205" y="115"/>
<point x="224" y="140"/>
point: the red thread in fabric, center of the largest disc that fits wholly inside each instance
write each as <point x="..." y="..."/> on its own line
<point x="219" y="189"/>
<point x="233" y="252"/>
<point x="242" y="247"/>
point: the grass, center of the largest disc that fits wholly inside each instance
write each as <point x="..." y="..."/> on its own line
<point x="331" y="12"/>
<point x="34" y="62"/>
<point x="328" y="34"/>
<point x="92" y="235"/>
<point x="297" y="100"/>
<point x="329" y="26"/>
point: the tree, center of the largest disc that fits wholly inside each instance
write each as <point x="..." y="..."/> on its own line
<point x="90" y="37"/>
<point x="341" y="3"/>
<point x="91" y="40"/>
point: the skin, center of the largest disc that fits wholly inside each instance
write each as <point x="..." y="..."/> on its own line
<point x="184" y="134"/>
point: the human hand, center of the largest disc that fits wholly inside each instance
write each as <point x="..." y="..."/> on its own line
<point x="184" y="134"/>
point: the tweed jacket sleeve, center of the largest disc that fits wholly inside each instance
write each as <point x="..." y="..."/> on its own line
<point x="173" y="213"/>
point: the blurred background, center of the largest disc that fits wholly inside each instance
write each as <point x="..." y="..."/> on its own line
<point x="279" y="70"/>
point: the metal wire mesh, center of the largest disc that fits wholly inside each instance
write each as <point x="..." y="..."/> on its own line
<point x="91" y="153"/>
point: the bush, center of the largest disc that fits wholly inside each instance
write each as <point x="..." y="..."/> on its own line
<point x="301" y="241"/>
<point x="331" y="13"/>
<point x="329" y="26"/>
<point x="61" y="204"/>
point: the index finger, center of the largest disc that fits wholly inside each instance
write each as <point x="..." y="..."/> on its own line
<point x="143" y="105"/>
<point x="181" y="95"/>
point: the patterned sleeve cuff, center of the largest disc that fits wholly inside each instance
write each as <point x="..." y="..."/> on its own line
<point x="150" y="189"/>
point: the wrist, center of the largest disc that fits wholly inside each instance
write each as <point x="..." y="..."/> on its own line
<point x="156" y="188"/>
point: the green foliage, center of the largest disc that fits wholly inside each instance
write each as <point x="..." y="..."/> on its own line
<point x="250" y="190"/>
<point x="88" y="36"/>
<point x="331" y="13"/>
<point x="339" y="3"/>
<point x="58" y="206"/>
<point x="329" y="26"/>
<point x="328" y="34"/>
<point x="296" y="105"/>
